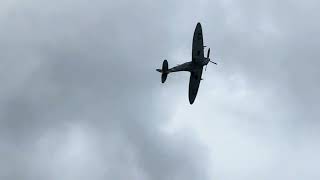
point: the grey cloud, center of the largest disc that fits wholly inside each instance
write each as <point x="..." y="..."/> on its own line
<point x="80" y="95"/>
<point x="273" y="124"/>
<point x="80" y="98"/>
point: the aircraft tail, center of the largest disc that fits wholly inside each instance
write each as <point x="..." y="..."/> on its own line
<point x="164" y="71"/>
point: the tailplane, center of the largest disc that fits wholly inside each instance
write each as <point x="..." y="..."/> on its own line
<point x="164" y="71"/>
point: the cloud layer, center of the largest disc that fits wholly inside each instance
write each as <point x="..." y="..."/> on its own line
<point x="80" y="98"/>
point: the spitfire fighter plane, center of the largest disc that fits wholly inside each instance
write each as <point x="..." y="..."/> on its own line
<point x="195" y="66"/>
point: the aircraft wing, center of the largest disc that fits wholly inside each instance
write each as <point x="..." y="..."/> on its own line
<point x="197" y="44"/>
<point x="194" y="83"/>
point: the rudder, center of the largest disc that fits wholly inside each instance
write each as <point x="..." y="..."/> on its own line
<point x="164" y="71"/>
<point x="164" y="77"/>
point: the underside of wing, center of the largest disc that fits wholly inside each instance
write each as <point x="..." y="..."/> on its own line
<point x="197" y="44"/>
<point x="194" y="83"/>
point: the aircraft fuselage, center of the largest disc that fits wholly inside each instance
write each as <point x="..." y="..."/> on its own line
<point x="190" y="66"/>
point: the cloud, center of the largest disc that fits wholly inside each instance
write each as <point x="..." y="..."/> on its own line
<point x="256" y="109"/>
<point x="80" y="98"/>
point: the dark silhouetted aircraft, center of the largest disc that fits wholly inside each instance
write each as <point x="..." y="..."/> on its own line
<point x="195" y="66"/>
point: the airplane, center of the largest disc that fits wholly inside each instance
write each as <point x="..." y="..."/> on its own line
<point x="195" y="67"/>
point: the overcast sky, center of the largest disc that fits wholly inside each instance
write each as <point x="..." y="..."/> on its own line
<point x="80" y="97"/>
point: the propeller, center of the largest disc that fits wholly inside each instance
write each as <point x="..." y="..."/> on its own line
<point x="208" y="54"/>
<point x="213" y="62"/>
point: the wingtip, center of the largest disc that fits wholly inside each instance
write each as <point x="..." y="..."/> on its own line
<point x="191" y="100"/>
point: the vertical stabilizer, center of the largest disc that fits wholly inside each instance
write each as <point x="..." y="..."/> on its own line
<point x="164" y="71"/>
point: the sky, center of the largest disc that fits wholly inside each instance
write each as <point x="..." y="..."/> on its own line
<point x="80" y="97"/>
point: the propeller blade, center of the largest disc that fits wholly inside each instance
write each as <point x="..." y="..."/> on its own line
<point x="208" y="54"/>
<point x="213" y="62"/>
<point x="205" y="69"/>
